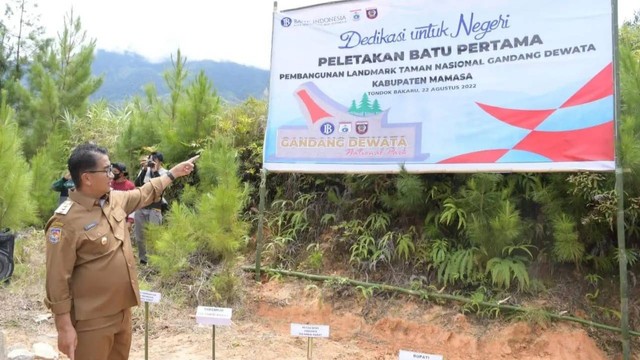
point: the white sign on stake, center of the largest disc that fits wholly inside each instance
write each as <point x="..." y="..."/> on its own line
<point x="206" y="315"/>
<point x="149" y="296"/>
<point x="408" y="355"/>
<point x="312" y="331"/>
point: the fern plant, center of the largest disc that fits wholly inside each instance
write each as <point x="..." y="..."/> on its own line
<point x="535" y="316"/>
<point x="365" y="252"/>
<point x="631" y="254"/>
<point x="377" y="222"/>
<point x="405" y="247"/>
<point x="290" y="226"/>
<point x="452" y="213"/>
<point x="460" y="265"/>
<point x="436" y="253"/>
<point x="593" y="280"/>
<point x="477" y="297"/>
<point x="314" y="257"/>
<point x="503" y="270"/>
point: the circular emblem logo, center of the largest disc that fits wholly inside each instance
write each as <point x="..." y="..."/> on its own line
<point x="327" y="128"/>
<point x="362" y="127"/>
<point x="286" y="22"/>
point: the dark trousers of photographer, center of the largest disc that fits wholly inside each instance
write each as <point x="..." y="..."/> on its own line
<point x="141" y="218"/>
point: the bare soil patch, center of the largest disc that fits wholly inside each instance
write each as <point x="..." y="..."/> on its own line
<point x="361" y="328"/>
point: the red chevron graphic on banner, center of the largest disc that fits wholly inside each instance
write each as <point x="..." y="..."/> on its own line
<point x="526" y="119"/>
<point x="592" y="144"/>
<point x="598" y="87"/>
<point x="589" y="144"/>
<point x="485" y="156"/>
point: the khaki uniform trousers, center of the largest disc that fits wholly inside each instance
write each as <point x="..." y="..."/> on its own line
<point x="106" y="338"/>
<point x="141" y="217"/>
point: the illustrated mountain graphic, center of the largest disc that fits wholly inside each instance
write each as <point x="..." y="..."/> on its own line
<point x="316" y="105"/>
<point x="333" y="133"/>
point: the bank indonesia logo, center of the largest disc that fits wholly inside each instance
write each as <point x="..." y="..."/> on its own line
<point x="286" y="22"/>
<point x="327" y="128"/>
<point x="355" y="14"/>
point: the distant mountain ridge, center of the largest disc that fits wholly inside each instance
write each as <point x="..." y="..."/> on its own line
<point x="125" y="76"/>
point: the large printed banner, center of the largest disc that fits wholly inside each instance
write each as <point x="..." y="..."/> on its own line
<point x="435" y="86"/>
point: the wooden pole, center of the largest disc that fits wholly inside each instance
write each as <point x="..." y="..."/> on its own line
<point x="622" y="248"/>
<point x="259" y="235"/>
<point x="146" y="331"/>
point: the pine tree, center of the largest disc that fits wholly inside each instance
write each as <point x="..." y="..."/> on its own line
<point x="59" y="82"/>
<point x="19" y="37"/>
<point x="175" y="81"/>
<point x="47" y="166"/>
<point x="214" y="226"/>
<point x="141" y="128"/>
<point x="16" y="205"/>
<point x="197" y="113"/>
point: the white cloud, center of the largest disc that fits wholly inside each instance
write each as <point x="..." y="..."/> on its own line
<point x="238" y="30"/>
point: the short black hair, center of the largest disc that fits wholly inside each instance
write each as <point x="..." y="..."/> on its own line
<point x="157" y="155"/>
<point x="83" y="158"/>
<point x="122" y="167"/>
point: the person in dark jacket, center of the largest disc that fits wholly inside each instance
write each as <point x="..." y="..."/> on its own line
<point x="151" y="167"/>
<point x="63" y="185"/>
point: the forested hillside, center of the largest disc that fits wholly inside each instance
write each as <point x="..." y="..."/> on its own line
<point x="126" y="75"/>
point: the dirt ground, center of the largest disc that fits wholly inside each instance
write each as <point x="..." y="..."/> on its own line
<point x="371" y="329"/>
<point x="376" y="327"/>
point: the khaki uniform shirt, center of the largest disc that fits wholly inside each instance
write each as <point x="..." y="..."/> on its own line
<point x="90" y="266"/>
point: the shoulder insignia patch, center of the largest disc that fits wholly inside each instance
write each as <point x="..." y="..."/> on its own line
<point x="64" y="207"/>
<point x="54" y="235"/>
<point x="90" y="226"/>
<point x="56" y="224"/>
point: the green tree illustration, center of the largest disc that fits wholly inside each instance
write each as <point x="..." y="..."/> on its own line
<point x="375" y="108"/>
<point x="353" y="109"/>
<point x="365" y="105"/>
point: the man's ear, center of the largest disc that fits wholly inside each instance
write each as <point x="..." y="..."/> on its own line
<point x="86" y="180"/>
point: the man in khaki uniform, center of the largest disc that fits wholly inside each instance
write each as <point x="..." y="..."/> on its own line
<point x="91" y="278"/>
